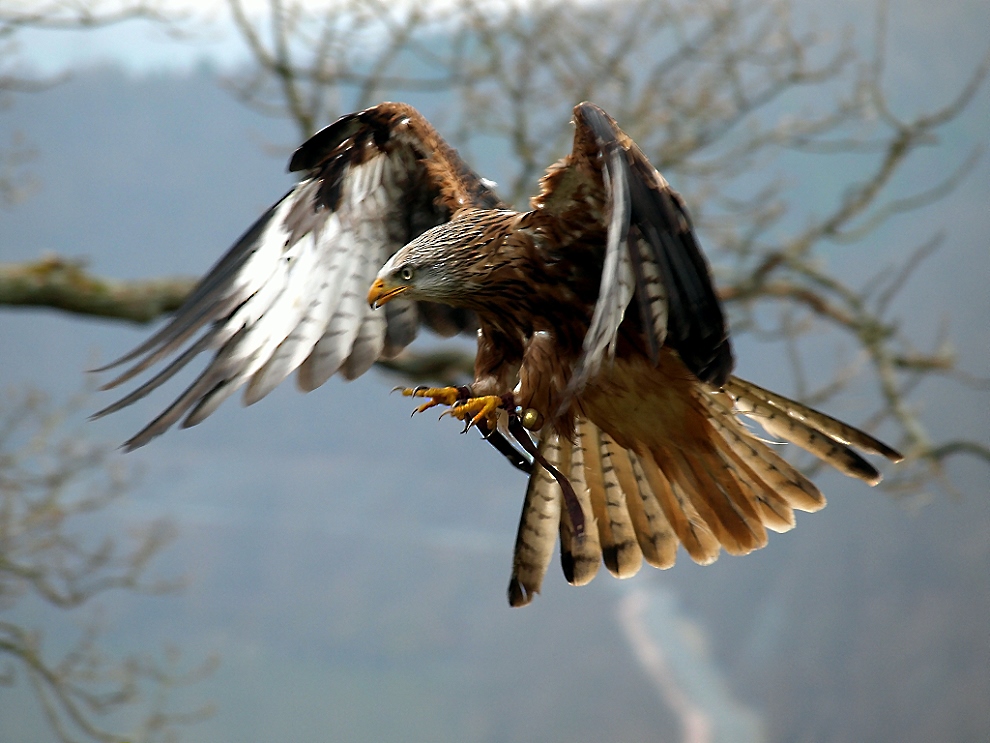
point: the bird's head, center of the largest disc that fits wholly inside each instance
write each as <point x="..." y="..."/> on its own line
<point x="431" y="268"/>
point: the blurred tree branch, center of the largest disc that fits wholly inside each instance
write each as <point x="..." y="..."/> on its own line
<point x="52" y="482"/>
<point x="67" y="285"/>
<point x="718" y="93"/>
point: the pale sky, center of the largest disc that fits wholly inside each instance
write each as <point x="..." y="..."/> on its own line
<point x="207" y="35"/>
<point x="138" y="45"/>
<point x="144" y="47"/>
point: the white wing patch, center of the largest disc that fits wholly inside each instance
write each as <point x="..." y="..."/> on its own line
<point x="353" y="326"/>
<point x="290" y="295"/>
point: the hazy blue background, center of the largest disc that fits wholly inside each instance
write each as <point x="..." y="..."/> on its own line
<point x="348" y="564"/>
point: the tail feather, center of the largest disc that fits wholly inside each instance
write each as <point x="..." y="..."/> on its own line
<point x="774" y="512"/>
<point x="827" y="449"/>
<point x="765" y="406"/>
<point x="586" y="451"/>
<point x="682" y="470"/>
<point x="693" y="531"/>
<point x="713" y="484"/>
<point x="777" y="473"/>
<point x="659" y="533"/>
<point x="624" y="557"/>
<point x="728" y="497"/>
<point x="579" y="556"/>
<point x="537" y="526"/>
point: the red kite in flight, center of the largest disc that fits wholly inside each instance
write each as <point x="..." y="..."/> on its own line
<point x="602" y="347"/>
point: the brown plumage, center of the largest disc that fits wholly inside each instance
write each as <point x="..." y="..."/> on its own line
<point x="633" y="417"/>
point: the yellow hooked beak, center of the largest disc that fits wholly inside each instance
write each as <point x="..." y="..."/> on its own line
<point x="380" y="293"/>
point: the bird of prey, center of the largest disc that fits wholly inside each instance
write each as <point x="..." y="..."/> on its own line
<point x="603" y="352"/>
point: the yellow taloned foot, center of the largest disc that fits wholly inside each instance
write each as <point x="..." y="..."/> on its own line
<point x="470" y="410"/>
<point x="438" y="396"/>
<point x="474" y="410"/>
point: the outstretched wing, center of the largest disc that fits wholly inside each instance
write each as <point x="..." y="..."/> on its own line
<point x="290" y="294"/>
<point x="651" y="253"/>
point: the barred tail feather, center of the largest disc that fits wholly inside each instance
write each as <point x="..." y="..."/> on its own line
<point x="579" y="556"/>
<point x="692" y="531"/>
<point x="730" y="502"/>
<point x="620" y="550"/>
<point x="773" y="510"/>
<point x="659" y="533"/>
<point x="827" y="438"/>
<point x="538" y="526"/>
<point x="779" y="475"/>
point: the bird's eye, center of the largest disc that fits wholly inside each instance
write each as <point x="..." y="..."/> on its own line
<point x="406" y="274"/>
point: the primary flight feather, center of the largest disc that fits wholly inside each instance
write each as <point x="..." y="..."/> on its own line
<point x="603" y="351"/>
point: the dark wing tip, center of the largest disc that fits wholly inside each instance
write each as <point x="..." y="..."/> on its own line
<point x="696" y="326"/>
<point x="313" y="151"/>
<point x="377" y="121"/>
<point x="589" y="111"/>
<point x="713" y="368"/>
<point x="597" y="121"/>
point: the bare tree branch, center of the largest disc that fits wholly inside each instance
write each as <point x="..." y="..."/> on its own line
<point x="51" y="478"/>
<point x="66" y="285"/>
